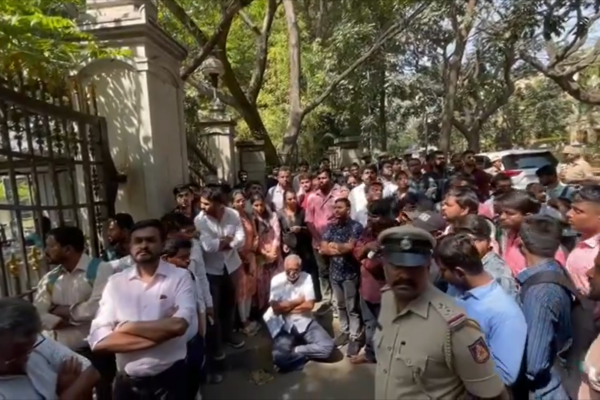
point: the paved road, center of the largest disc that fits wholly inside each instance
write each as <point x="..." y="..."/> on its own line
<point x="339" y="380"/>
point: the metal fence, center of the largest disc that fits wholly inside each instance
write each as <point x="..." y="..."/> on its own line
<point x="55" y="169"/>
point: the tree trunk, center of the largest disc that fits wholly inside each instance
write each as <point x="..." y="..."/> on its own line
<point x="296" y="114"/>
<point x="382" y="108"/>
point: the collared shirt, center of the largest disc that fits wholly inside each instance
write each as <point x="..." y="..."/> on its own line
<point x="509" y="250"/>
<point x="211" y="231"/>
<point x="43" y="365"/>
<point x="547" y="310"/>
<point x="503" y="324"/>
<point x="344" y="267"/>
<point x="74" y="290"/>
<point x="127" y="298"/>
<point x="275" y="197"/>
<point x="578" y="169"/>
<point x="425" y="185"/>
<point x="497" y="268"/>
<point x="319" y="211"/>
<point x="371" y="271"/>
<point x="358" y="197"/>
<point x="198" y="267"/>
<point x="560" y="190"/>
<point x="580" y="260"/>
<point x="284" y="290"/>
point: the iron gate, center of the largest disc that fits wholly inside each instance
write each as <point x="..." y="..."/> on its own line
<point x="55" y="167"/>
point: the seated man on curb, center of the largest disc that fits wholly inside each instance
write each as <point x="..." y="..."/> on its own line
<point x="297" y="336"/>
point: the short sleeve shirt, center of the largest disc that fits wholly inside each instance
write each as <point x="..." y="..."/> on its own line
<point x="344" y="267"/>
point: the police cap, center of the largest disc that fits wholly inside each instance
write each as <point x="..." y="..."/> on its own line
<point x="406" y="246"/>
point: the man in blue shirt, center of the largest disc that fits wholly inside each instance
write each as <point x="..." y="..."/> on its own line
<point x="485" y="301"/>
<point x="547" y="308"/>
<point x="338" y="243"/>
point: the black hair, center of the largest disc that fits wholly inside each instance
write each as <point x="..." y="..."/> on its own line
<point x="257" y="197"/>
<point x="325" y="159"/>
<point x="499" y="177"/>
<point x="587" y="193"/>
<point x="123" y="221"/>
<point x="385" y="162"/>
<point x="46" y="225"/>
<point x="475" y="225"/>
<point x="355" y="164"/>
<point x="457" y="251"/>
<point x="465" y="198"/>
<point x="541" y="235"/>
<point x="149" y="223"/>
<point x="69" y="236"/>
<point x="235" y="192"/>
<point x="368" y="186"/>
<point x="213" y="194"/>
<point x="177" y="190"/>
<point x="370" y="167"/>
<point x="467" y="152"/>
<point x="413" y="160"/>
<point x="460" y="177"/>
<point x="401" y="173"/>
<point x="343" y="200"/>
<point x="381" y="208"/>
<point x="325" y="170"/>
<point x="303" y="163"/>
<point x="520" y="200"/>
<point x="175" y="222"/>
<point x="19" y="317"/>
<point x="531" y="185"/>
<point x="546" y="170"/>
<point x="172" y="246"/>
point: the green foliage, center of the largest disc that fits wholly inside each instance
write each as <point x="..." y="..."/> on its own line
<point x="41" y="38"/>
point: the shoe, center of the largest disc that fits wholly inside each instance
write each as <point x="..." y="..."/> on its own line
<point x="214" y="379"/>
<point x="353" y="349"/>
<point x="219" y="355"/>
<point x="341" y="340"/>
<point x="236" y="343"/>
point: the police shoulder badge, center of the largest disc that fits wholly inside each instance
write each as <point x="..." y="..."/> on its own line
<point x="479" y="351"/>
<point x="405" y="244"/>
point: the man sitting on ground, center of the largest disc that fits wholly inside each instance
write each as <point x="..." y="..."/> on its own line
<point x="297" y="336"/>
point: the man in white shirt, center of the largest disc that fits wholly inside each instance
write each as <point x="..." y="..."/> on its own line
<point x="290" y="319"/>
<point x="275" y="195"/>
<point x="178" y="251"/>
<point x="143" y="318"/>
<point x="358" y="195"/>
<point x="221" y="236"/>
<point x="67" y="299"/>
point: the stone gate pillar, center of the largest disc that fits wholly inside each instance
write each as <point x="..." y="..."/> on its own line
<point x="218" y="129"/>
<point x="251" y="158"/>
<point x="141" y="97"/>
<point x="349" y="150"/>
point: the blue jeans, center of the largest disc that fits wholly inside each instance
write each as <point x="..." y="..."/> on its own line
<point x="291" y="350"/>
<point x="370" y="313"/>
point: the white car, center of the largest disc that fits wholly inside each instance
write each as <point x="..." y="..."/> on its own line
<point x="520" y="165"/>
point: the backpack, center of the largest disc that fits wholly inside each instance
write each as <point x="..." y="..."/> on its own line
<point x="90" y="274"/>
<point x="582" y="322"/>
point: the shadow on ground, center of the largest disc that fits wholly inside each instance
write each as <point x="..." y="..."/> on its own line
<point x="324" y="381"/>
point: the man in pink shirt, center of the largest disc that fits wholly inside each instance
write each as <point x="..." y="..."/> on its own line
<point x="514" y="206"/>
<point x="319" y="212"/>
<point x="584" y="217"/>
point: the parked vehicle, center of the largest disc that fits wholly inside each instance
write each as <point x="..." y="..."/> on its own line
<point x="520" y="165"/>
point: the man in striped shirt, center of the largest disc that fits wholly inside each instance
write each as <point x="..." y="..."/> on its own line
<point x="547" y="308"/>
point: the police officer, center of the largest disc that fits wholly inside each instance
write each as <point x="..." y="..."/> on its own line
<point x="426" y="348"/>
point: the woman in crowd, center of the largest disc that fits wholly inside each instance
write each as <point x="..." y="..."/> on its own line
<point x="267" y="251"/>
<point x="246" y="282"/>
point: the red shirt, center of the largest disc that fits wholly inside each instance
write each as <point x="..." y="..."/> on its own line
<point x="371" y="271"/>
<point x="482" y="181"/>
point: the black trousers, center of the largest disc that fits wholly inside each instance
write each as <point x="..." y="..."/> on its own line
<point x="106" y="365"/>
<point x="170" y="384"/>
<point x="195" y="363"/>
<point x="222" y="291"/>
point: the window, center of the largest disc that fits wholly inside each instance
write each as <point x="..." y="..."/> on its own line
<point x="528" y="160"/>
<point x="483" y="160"/>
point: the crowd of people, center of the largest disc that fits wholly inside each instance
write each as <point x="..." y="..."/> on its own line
<point x="446" y="276"/>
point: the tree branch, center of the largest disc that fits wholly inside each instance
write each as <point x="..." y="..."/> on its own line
<point x="232" y="9"/>
<point x="249" y="23"/>
<point x="262" y="52"/>
<point x="186" y="21"/>
<point x="392" y="31"/>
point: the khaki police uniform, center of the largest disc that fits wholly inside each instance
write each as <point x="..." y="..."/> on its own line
<point x="578" y="169"/>
<point x="429" y="350"/>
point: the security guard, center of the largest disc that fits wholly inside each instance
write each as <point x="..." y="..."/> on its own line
<point x="426" y="348"/>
